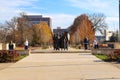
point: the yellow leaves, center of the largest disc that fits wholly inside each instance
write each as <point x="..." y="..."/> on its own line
<point x="44" y="31"/>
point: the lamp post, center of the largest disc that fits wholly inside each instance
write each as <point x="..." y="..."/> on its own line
<point x="119" y="23"/>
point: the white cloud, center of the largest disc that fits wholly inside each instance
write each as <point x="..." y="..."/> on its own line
<point x="15" y="3"/>
<point x="108" y="7"/>
<point x="113" y="23"/>
<point x="112" y="19"/>
<point x="88" y="4"/>
<point x="62" y="20"/>
<point x="11" y="8"/>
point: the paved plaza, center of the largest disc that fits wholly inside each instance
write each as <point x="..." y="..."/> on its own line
<point x="60" y="66"/>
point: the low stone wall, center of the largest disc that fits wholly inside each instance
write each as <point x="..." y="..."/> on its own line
<point x="23" y="51"/>
<point x="115" y="45"/>
<point x="111" y="45"/>
<point x="103" y="51"/>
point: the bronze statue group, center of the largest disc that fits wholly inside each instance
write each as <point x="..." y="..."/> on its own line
<point x="60" y="41"/>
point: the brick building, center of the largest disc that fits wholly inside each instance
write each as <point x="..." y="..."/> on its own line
<point x="35" y="19"/>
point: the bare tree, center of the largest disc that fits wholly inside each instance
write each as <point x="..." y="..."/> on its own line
<point x="20" y="29"/>
<point x="24" y="28"/>
<point x="12" y="25"/>
<point x="98" y="20"/>
<point x="17" y="29"/>
<point x="4" y="31"/>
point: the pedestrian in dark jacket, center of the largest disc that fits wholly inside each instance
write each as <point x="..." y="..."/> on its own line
<point x="11" y="46"/>
<point x="86" y="43"/>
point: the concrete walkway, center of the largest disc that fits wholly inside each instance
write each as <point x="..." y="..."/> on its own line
<point x="60" y="66"/>
<point x="70" y="50"/>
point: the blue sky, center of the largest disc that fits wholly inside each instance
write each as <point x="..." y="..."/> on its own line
<point x="62" y="12"/>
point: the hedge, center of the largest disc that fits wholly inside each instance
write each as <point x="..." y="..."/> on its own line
<point x="8" y="56"/>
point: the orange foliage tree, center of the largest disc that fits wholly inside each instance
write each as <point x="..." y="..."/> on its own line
<point x="42" y="33"/>
<point x="81" y="28"/>
<point x="20" y="29"/>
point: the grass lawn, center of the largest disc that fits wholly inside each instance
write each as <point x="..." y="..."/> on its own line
<point x="6" y="64"/>
<point x="102" y="57"/>
<point x="22" y="56"/>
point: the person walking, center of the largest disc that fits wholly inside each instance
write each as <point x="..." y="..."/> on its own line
<point x="11" y="46"/>
<point x="95" y="44"/>
<point x="86" y="43"/>
<point x="26" y="44"/>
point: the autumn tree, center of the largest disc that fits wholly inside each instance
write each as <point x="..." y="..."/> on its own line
<point x="36" y="35"/>
<point x="81" y="28"/>
<point x="24" y="28"/>
<point x="42" y="33"/>
<point x="46" y="33"/>
<point x="4" y="32"/>
<point x="98" y="21"/>
<point x="19" y="29"/>
<point x="12" y="25"/>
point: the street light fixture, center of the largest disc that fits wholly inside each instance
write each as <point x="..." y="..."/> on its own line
<point x="119" y="24"/>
